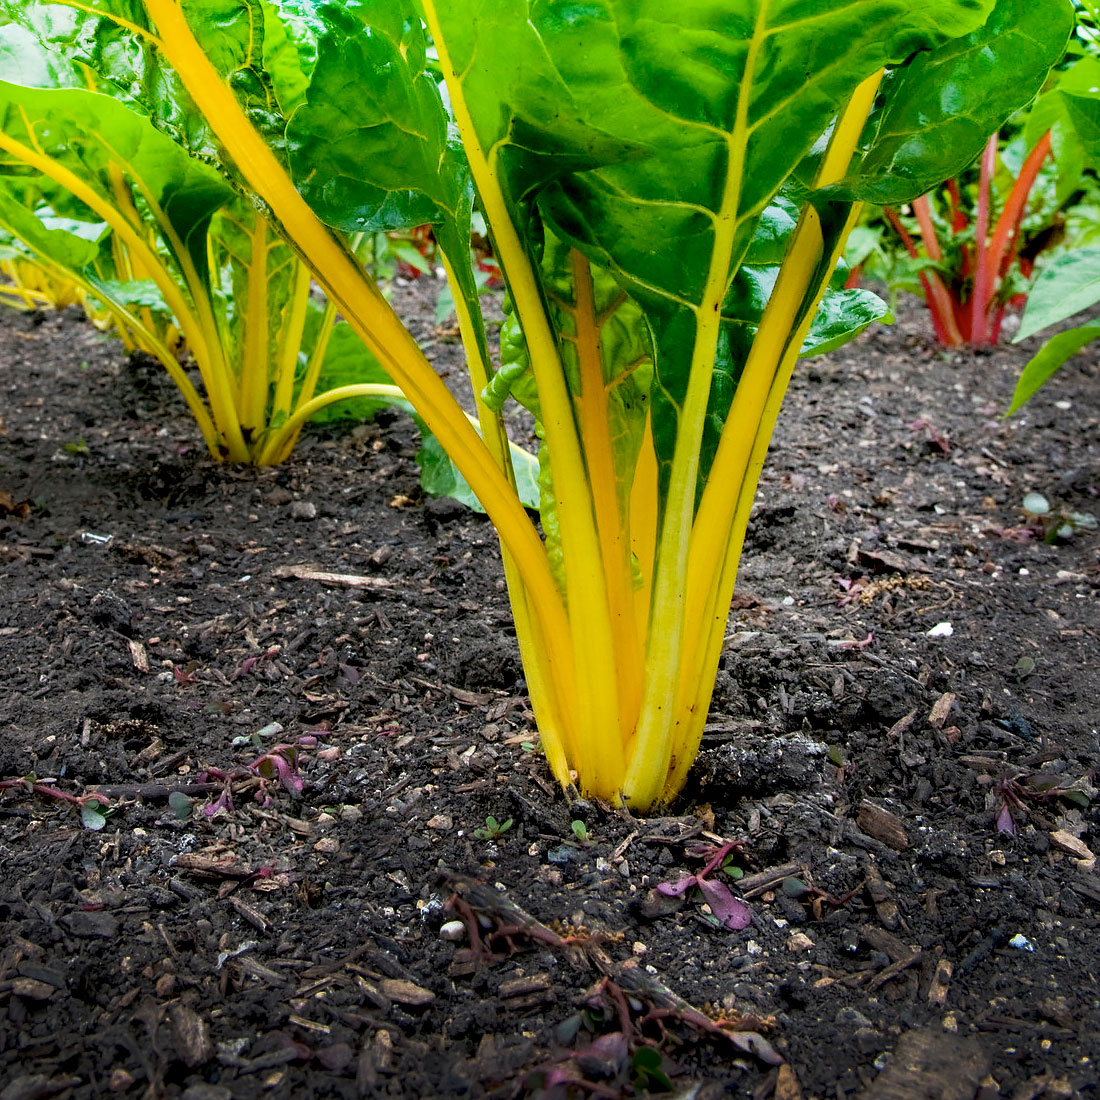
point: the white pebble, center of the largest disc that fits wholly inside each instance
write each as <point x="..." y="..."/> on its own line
<point x="454" y="931"/>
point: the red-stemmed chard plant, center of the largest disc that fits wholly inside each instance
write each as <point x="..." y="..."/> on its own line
<point x="969" y="285"/>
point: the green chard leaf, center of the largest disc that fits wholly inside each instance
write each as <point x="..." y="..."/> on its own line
<point x="936" y="112"/>
<point x="637" y="131"/>
<point x="1050" y="358"/>
<point x="1066" y="286"/>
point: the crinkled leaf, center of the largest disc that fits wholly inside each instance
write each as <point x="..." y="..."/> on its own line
<point x="938" y="111"/>
<point x="91" y="135"/>
<point x="640" y="129"/>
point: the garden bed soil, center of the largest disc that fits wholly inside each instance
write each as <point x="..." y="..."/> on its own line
<point x="907" y="668"/>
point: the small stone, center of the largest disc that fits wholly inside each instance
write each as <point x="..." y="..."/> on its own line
<point x="950" y="1022"/>
<point x="851" y="1019"/>
<point x="350" y="813"/>
<point x="1058" y="1010"/>
<point x="453" y="931"/>
<point x="303" y="509"/>
<point x="624" y="868"/>
<point x="91" y="924"/>
<point x="30" y="989"/>
<point x="325" y="819"/>
<point x="327" y="845"/>
<point x="443" y="823"/>
<point x="120" y="1080"/>
<point x="753" y="948"/>
<point x="799" y="942"/>
<point x="638" y="949"/>
<point x="867" y="1040"/>
<point x="166" y="986"/>
<point x="207" y="1092"/>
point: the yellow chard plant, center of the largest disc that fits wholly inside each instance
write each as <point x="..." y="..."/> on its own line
<point x="668" y="188"/>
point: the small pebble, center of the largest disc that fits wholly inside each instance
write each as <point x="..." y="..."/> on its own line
<point x="327" y="845"/>
<point x="454" y="931"/>
<point x="303" y="509"/>
<point x="350" y="813"/>
<point x="1021" y="943"/>
<point x="444" y="823"/>
<point x="325" y="819"/>
<point x="799" y="942"/>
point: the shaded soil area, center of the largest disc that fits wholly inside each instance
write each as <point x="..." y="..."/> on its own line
<point x="328" y="859"/>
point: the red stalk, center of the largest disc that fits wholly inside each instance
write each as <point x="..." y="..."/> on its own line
<point x="935" y="293"/>
<point x="982" y="293"/>
<point x="1002" y="247"/>
<point x="959" y="220"/>
<point x="923" y="211"/>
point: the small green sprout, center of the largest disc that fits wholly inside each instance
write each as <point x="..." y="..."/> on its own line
<point x="581" y="832"/>
<point x="493" y="829"/>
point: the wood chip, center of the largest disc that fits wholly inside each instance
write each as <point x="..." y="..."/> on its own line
<point x="882" y="825"/>
<point x="886" y="942"/>
<point x="786" y="1084"/>
<point x="752" y="885"/>
<point x="190" y="1036"/>
<point x="519" y="987"/>
<point x="931" y="1063"/>
<point x="1076" y="847"/>
<point x="32" y="989"/>
<point x="335" y="580"/>
<point x="253" y="916"/>
<point x="883" y="899"/>
<point x="901" y="725"/>
<point x="941" y="979"/>
<point x="405" y="992"/>
<point x="224" y="866"/>
<point x="941" y="709"/>
<point x="138" y="655"/>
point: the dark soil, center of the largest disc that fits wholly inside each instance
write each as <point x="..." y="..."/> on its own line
<point x="160" y="618"/>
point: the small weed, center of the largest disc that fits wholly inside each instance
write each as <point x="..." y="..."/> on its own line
<point x="493" y="829"/>
<point x="581" y="832"/>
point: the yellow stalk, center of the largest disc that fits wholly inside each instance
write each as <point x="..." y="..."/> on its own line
<point x="213" y="364"/>
<point x="291" y="332"/>
<point x="723" y="516"/>
<point x="553" y="697"/>
<point x="643" y="527"/>
<point x="255" y="348"/>
<point x="365" y="309"/>
<point x="652" y="747"/>
<point x="629" y="654"/>
<point x="118" y="222"/>
<point x="600" y="752"/>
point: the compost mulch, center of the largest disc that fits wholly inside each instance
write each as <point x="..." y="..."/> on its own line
<point x="902" y="743"/>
